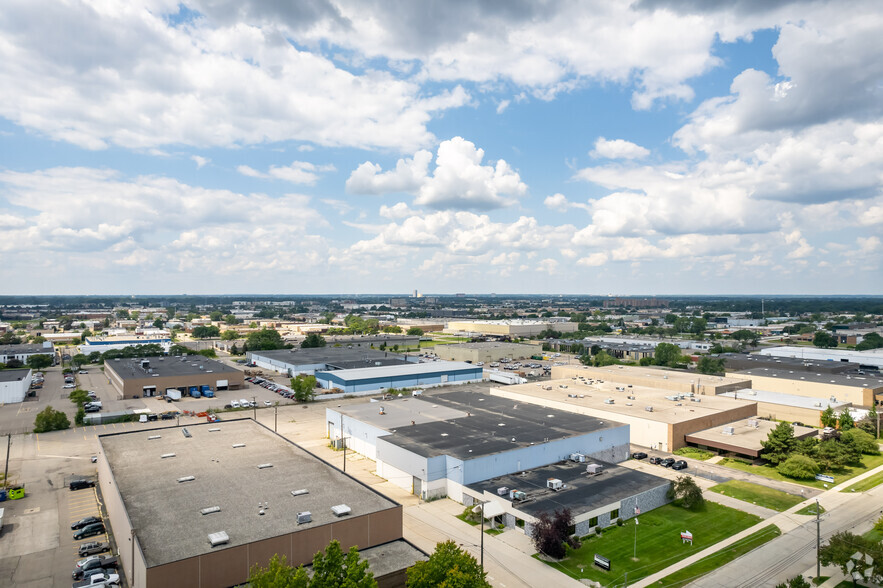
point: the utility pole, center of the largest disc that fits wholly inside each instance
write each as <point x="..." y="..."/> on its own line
<point x="482" y="535"/>
<point x="818" y="540"/>
<point x="275" y="416"/>
<point x="254" y="406"/>
<point x="6" y="469"/>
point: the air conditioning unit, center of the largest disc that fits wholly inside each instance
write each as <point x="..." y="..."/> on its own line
<point x="554" y="484"/>
<point x="502" y="491"/>
<point x="340" y="510"/>
<point x="648" y="408"/>
<point x="304" y="517"/>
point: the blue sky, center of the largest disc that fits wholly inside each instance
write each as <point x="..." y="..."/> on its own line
<point x="649" y="147"/>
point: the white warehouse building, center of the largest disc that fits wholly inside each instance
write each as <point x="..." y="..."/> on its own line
<point x="14" y="385"/>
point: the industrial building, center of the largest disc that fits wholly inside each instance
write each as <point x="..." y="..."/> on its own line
<point x="24" y="351"/>
<point x="596" y="492"/>
<point x="789" y="407"/>
<point x="14" y="385"/>
<point x="871" y="358"/>
<point x="858" y="390"/>
<point x="311" y="360"/>
<point x="375" y="341"/>
<point x="657" y="418"/>
<point x="434" y="449"/>
<point x="742" y="437"/>
<point x="487" y="351"/>
<point x="511" y="328"/>
<point x="652" y="377"/>
<point x="199" y="506"/>
<point x="406" y="375"/>
<point x="736" y="362"/>
<point x="144" y="377"/>
<point x="102" y="344"/>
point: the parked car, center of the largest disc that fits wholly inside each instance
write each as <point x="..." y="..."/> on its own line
<point x="104" y="580"/>
<point x="679" y="465"/>
<point x="655" y="459"/>
<point x="93" y="547"/>
<point x="267" y="403"/>
<point x="83" y="522"/>
<point x="639" y="455"/>
<point x="89" y="531"/>
<point x="82" y="372"/>
<point x="68" y="386"/>
<point x="100" y="565"/>
<point x="667" y="462"/>
<point x="94" y="459"/>
<point x="80" y="484"/>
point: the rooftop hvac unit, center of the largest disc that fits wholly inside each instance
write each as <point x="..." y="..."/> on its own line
<point x="218" y="538"/>
<point x="577" y="457"/>
<point x="752" y="423"/>
<point x="554" y="484"/>
<point x="186" y="432"/>
<point x="517" y="495"/>
<point x="210" y="510"/>
<point x="608" y="401"/>
<point x="300" y="492"/>
<point x="728" y="431"/>
<point x="630" y="397"/>
<point x="695" y="400"/>
<point x="165" y="455"/>
<point x="648" y="408"/>
<point x="502" y="491"/>
<point x="340" y="510"/>
<point x="819" y="404"/>
<point x="186" y="479"/>
<point x="152" y="437"/>
<point x="594" y="468"/>
<point x="215" y="430"/>
<point x="264" y="466"/>
<point x="304" y="517"/>
<point x="238" y="445"/>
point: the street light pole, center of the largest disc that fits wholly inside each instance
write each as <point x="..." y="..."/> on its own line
<point x="254" y="406"/>
<point x="482" y="535"/>
<point x="275" y="416"/>
<point x="818" y="540"/>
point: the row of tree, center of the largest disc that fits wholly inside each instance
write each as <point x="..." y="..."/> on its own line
<point x="803" y="459"/>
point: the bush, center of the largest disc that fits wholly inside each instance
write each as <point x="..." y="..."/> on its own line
<point x="619" y="522"/>
<point x="799" y="467"/>
<point x="862" y="440"/>
<point x="50" y="419"/>
<point x="80" y="416"/>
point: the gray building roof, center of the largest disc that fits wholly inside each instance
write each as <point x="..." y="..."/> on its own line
<point x="405" y="369"/>
<point x="742" y="361"/>
<point x="14" y="375"/>
<point x="858" y="381"/>
<point x="331" y="356"/>
<point x="490" y="426"/>
<point x="166" y="513"/>
<point x="26" y="349"/>
<point x="582" y="493"/>
<point x="128" y="368"/>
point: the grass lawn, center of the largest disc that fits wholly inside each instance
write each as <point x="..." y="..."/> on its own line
<point x="759" y="495"/>
<point x="866" y="484"/>
<point x="868" y="462"/>
<point x="694" y="453"/>
<point x="658" y="542"/>
<point x="707" y="564"/>
<point x="810" y="509"/>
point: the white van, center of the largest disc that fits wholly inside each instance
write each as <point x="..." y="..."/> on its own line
<point x="142" y="418"/>
<point x="244" y="403"/>
<point x="234" y="403"/>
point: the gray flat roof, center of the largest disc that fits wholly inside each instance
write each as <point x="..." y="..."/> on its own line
<point x="493" y="345"/>
<point x="26" y="348"/>
<point x="15" y="375"/>
<point x="399" y="412"/>
<point x="865" y="381"/>
<point x="407" y="369"/>
<point x="742" y="361"/>
<point x="390" y="557"/>
<point x="166" y="513"/>
<point x="324" y="355"/>
<point x="130" y="368"/>
<point x="583" y="492"/>
<point x="784" y="399"/>
<point x="480" y="433"/>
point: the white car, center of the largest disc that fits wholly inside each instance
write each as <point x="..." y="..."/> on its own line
<point x="69" y="386"/>
<point x="267" y="403"/>
<point x="234" y="403"/>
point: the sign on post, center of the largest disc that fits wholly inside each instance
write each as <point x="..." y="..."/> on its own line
<point x="602" y="562"/>
<point x="824" y="478"/>
<point x="687" y="537"/>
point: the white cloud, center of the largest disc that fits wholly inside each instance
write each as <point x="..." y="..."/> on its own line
<point x="396" y="211"/>
<point x="502" y="106"/>
<point x="200" y="161"/>
<point x="593" y="260"/>
<point x="250" y="171"/>
<point x="557" y="202"/>
<point x="618" y="149"/>
<point x="299" y="172"/>
<point x="459" y="179"/>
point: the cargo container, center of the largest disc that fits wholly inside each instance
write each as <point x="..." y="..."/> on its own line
<point x="173" y="393"/>
<point x="194" y="391"/>
<point x="207" y="391"/>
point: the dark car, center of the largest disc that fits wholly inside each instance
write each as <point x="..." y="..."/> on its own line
<point x="89" y="531"/>
<point x="639" y="455"/>
<point x="679" y="465"/>
<point x="90" y="569"/>
<point x="667" y="462"/>
<point x="92" y="548"/>
<point x="80" y="484"/>
<point x="152" y="417"/>
<point x="83" y="522"/>
<point x="655" y="459"/>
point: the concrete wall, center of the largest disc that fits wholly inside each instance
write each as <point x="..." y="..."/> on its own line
<point x="361" y="437"/>
<point x="854" y="394"/>
<point x="282" y="367"/>
<point x="781" y="412"/>
<point x="680" y="430"/>
<point x="485" y="353"/>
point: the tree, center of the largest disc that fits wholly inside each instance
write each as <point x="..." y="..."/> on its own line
<point x="265" y="339"/>
<point x="698" y="326"/>
<point x="447" y="567"/>
<point x="210" y="353"/>
<point x="799" y="467"/>
<point x="313" y="340"/>
<point x="780" y="443"/>
<point x="549" y="534"/>
<point x="873" y="419"/>
<point x="667" y="354"/>
<point x="840" y="550"/>
<point x="79" y="397"/>
<point x="870" y="341"/>
<point x="50" y="419"/>
<point x="78" y="360"/>
<point x="39" y="362"/>
<point x="229" y="335"/>
<point x="216" y="315"/>
<point x="415" y="331"/>
<point x="845" y="421"/>
<point x="710" y="365"/>
<point x="392" y="329"/>
<point x="333" y="569"/>
<point x="828" y="418"/>
<point x="602" y="358"/>
<point x="795" y="582"/>
<point x="832" y="454"/>
<point x="864" y="442"/>
<point x="14" y="363"/>
<point x="158" y="323"/>
<point x="9" y="338"/>
<point x="231" y="319"/>
<point x="278" y="574"/>
<point x="687" y="492"/>
<point x="80" y="417"/>
<point x="202" y="332"/>
<point x="824" y="339"/>
<point x="304" y="388"/>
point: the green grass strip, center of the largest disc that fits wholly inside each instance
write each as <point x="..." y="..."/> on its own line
<point x="707" y="564"/>
<point x="810" y="509"/>
<point x="866" y="484"/>
<point x="756" y="494"/>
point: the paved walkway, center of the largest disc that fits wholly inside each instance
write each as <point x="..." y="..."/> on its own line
<point x="786" y="521"/>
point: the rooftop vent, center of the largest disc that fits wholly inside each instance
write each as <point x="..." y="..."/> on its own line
<point x="340" y="510"/>
<point x="165" y="455"/>
<point x="300" y="492"/>
<point x="237" y="445"/>
<point x="152" y="437"/>
<point x="210" y="510"/>
<point x="304" y="517"/>
<point x="218" y="538"/>
<point x="186" y="479"/>
<point x="186" y="432"/>
<point x="265" y="466"/>
<point x="215" y="430"/>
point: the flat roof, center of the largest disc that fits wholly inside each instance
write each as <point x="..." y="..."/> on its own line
<point x="856" y="381"/>
<point x="742" y="361"/>
<point x="324" y="355"/>
<point x="489" y="427"/>
<point x="166" y="513"/>
<point x="390" y="557"/>
<point x="747" y="434"/>
<point x="25" y="348"/>
<point x="491" y="345"/>
<point x="407" y="369"/>
<point x="785" y="399"/>
<point x="594" y="395"/>
<point x="400" y="412"/>
<point x="582" y="492"/>
<point x="651" y="374"/>
<point x="360" y="363"/>
<point x="14" y="375"/>
<point x="188" y="365"/>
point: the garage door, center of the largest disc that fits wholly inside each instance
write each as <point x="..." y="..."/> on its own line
<point x="221" y="384"/>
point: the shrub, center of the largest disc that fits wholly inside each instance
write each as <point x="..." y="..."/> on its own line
<point x="80" y="416"/>
<point x="799" y="467"/>
<point x="862" y="440"/>
<point x="50" y="419"/>
<point x="619" y="522"/>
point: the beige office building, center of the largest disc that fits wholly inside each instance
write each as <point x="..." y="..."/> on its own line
<point x="510" y="328"/>
<point x="858" y="390"/>
<point x="653" y="377"/>
<point x="488" y="352"/>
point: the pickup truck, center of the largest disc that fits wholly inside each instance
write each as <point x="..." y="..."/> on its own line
<point x="100" y="579"/>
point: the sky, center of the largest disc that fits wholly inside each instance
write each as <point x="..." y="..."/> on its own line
<point x="510" y="146"/>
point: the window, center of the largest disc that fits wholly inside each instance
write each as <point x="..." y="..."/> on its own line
<point x="614" y="515"/>
<point x="593" y="522"/>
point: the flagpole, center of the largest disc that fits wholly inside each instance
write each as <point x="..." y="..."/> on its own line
<point x="637" y="512"/>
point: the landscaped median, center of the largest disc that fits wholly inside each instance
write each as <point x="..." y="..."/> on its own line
<point x="866" y="484"/>
<point x="868" y="462"/>
<point x="656" y="539"/>
<point x="759" y="495"/>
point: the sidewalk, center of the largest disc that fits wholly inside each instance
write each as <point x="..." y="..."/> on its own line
<point x="784" y="521"/>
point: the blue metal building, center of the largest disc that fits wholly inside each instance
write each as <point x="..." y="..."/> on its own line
<point x="412" y="375"/>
